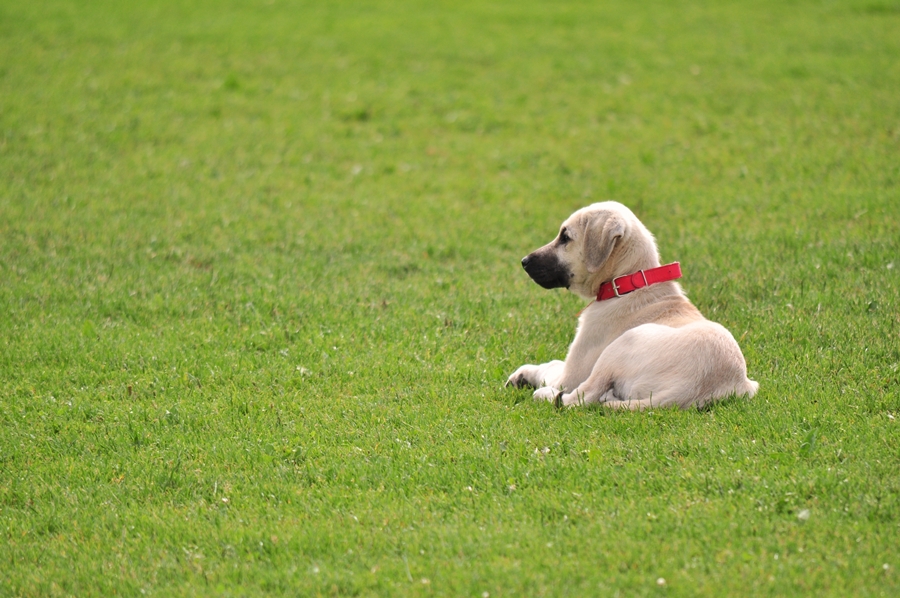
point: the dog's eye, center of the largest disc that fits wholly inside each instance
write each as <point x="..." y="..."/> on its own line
<point x="564" y="237"/>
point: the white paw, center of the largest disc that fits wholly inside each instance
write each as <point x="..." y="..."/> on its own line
<point x="547" y="393"/>
<point x="522" y="376"/>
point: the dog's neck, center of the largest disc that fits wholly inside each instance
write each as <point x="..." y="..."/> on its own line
<point x="628" y="283"/>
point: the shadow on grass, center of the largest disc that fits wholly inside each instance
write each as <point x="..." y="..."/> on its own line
<point x="525" y="395"/>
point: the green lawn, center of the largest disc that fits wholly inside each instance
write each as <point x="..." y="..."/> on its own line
<point x="260" y="291"/>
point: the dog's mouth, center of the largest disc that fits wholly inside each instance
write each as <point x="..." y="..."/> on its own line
<point x="547" y="270"/>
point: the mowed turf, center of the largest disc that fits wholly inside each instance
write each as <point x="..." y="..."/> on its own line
<point x="260" y="291"/>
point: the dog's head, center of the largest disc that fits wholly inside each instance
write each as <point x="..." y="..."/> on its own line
<point x="595" y="244"/>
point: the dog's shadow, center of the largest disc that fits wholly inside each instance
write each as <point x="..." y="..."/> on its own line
<point x="524" y="396"/>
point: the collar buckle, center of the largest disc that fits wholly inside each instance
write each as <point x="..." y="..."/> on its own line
<point x="615" y="286"/>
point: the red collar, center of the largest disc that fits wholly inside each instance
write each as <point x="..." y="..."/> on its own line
<point x="642" y="278"/>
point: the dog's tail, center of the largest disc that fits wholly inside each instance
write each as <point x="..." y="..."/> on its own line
<point x="748" y="389"/>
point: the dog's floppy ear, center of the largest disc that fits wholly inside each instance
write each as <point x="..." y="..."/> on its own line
<point x="600" y="238"/>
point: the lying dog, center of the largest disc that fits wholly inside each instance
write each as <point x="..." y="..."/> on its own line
<point x="640" y="343"/>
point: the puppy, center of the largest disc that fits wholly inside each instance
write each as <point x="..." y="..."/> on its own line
<point x="640" y="343"/>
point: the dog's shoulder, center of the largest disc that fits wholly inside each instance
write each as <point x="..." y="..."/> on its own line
<point x="660" y="304"/>
<point x="675" y="310"/>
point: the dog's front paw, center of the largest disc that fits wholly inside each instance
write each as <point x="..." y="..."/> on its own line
<point x="522" y="377"/>
<point x="547" y="393"/>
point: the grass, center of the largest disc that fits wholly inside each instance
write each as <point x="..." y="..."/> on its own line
<point x="260" y="291"/>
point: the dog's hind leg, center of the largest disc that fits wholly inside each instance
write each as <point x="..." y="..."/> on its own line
<point x="636" y="405"/>
<point x="611" y="398"/>
<point x="592" y="390"/>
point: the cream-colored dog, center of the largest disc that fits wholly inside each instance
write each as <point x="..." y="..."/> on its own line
<point x="640" y="343"/>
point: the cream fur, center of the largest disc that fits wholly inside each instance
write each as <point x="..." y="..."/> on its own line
<point x="649" y="348"/>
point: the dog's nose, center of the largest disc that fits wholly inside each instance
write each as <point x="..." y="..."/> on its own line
<point x="525" y="261"/>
